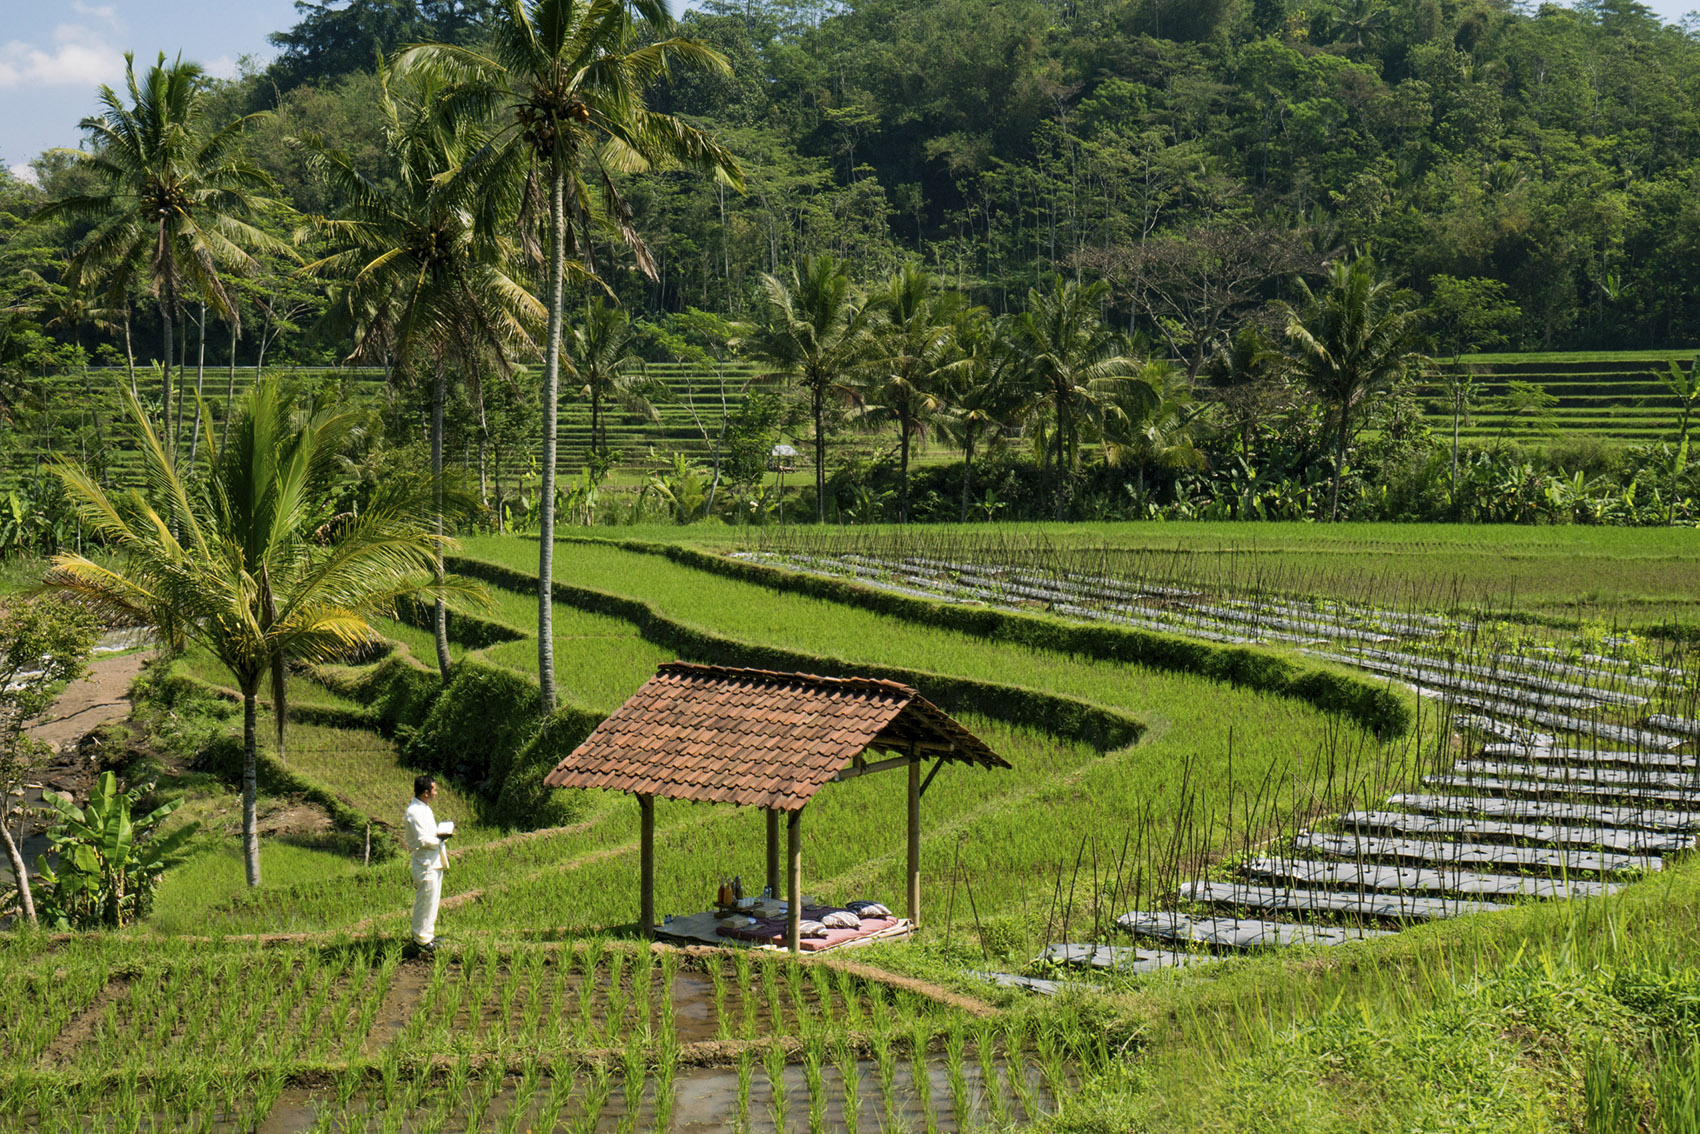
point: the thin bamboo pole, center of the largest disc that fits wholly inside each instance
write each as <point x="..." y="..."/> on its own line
<point x="794" y="891"/>
<point x="914" y="841"/>
<point x="646" y="865"/>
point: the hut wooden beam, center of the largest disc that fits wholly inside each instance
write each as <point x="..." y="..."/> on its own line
<point x="794" y="890"/>
<point x="646" y="864"/>
<point x="915" y="839"/>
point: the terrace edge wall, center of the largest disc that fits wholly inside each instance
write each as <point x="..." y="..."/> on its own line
<point x="1102" y="728"/>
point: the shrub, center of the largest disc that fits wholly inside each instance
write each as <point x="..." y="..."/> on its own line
<point x="475" y="726"/>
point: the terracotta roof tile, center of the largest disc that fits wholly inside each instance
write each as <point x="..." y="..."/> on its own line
<point x="754" y="737"/>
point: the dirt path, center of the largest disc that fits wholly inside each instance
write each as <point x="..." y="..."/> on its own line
<point x="100" y="697"/>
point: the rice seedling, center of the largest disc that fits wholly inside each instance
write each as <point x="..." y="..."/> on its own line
<point x="985" y="1047"/>
<point x="955" y="1044"/>
<point x="618" y="996"/>
<point x="814" y="1064"/>
<point x="779" y="1101"/>
<point x="722" y="1019"/>
<point x="485" y="1088"/>
<point x="597" y="1091"/>
<point x="746" y="1073"/>
<point x="798" y="1000"/>
<point x="643" y="989"/>
<point x="919" y="1037"/>
<point x="770" y="992"/>
<point x="746" y="991"/>
<point x="635" y="1064"/>
<point x="518" y="1113"/>
<point x="885" y="1072"/>
<point x="1017" y="1068"/>
<point x="850" y="1078"/>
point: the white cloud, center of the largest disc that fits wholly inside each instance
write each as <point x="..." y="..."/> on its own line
<point x="70" y="64"/>
<point x="23" y="172"/>
<point x="107" y="13"/>
<point x="224" y="67"/>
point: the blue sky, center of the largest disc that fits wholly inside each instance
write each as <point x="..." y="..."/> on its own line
<point x="54" y="54"/>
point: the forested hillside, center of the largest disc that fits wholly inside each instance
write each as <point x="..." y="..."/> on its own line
<point x="1512" y="178"/>
<point x="1554" y="150"/>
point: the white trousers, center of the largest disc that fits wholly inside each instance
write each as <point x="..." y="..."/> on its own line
<point x="428" y="892"/>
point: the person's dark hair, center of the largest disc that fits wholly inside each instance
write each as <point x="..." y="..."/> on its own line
<point x="423" y="783"/>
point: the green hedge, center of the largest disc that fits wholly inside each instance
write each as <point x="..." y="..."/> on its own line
<point x="1063" y="716"/>
<point x="1378" y="706"/>
<point x="482" y="717"/>
<point x="397" y="691"/>
<point x="522" y="792"/>
<point x="467" y="629"/>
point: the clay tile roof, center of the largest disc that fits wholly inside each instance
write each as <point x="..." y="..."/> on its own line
<point x="757" y="738"/>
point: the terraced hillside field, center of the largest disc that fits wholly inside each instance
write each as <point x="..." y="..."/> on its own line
<point x="1615" y="396"/>
<point x="1092" y="852"/>
<point x="82" y="408"/>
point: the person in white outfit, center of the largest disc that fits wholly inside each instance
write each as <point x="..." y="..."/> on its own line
<point x="430" y="857"/>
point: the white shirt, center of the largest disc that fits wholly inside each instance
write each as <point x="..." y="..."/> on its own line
<point x="419" y="836"/>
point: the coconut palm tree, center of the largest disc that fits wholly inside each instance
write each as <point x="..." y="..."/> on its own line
<point x="914" y="346"/>
<point x="1149" y="422"/>
<point x="607" y="369"/>
<point x="1072" y="363"/>
<point x="247" y="570"/>
<point x="1349" y="342"/>
<point x="980" y="398"/>
<point x="424" y="253"/>
<point x="169" y="203"/>
<point x="817" y="332"/>
<point x="564" y="84"/>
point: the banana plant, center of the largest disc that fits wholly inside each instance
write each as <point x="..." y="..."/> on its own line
<point x="109" y="863"/>
<point x="1685" y="388"/>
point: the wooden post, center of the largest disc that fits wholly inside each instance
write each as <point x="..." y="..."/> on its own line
<point x="773" y="878"/>
<point x="914" y="840"/>
<point x="794" y="891"/>
<point x="646" y="865"/>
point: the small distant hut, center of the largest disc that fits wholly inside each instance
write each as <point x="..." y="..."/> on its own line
<point x="756" y="738"/>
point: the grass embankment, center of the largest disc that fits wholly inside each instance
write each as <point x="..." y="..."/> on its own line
<point x="1581" y="1015"/>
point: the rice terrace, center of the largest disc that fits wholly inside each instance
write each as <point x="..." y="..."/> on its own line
<point x="777" y="566"/>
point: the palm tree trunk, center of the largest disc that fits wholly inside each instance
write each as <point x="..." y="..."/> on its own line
<point x="229" y="392"/>
<point x="1339" y="468"/>
<point x="819" y="392"/>
<point x="129" y="352"/>
<point x="1062" y="470"/>
<point x="200" y="387"/>
<point x="26" y="900"/>
<point x="165" y="317"/>
<point x="546" y="505"/>
<point x="440" y="619"/>
<point x="903" y="475"/>
<point x="250" y="785"/>
<point x="967" y="470"/>
<point x="597" y="447"/>
<point x="483" y="451"/>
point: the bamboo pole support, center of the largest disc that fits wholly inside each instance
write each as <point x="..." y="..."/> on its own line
<point x="774" y="881"/>
<point x="646" y="865"/>
<point x="794" y="891"/>
<point x="914" y="841"/>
